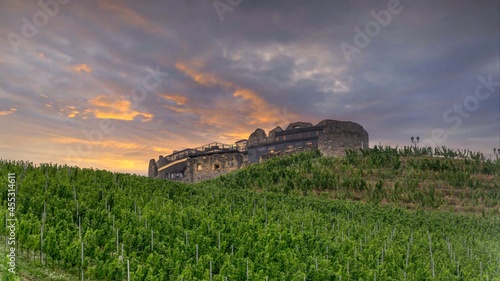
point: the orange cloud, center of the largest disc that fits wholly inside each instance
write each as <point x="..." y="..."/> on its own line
<point x="103" y="143"/>
<point x="107" y="108"/>
<point x="176" y="109"/>
<point x="129" y="16"/>
<point x="65" y="140"/>
<point x="82" y="67"/>
<point x="7" y="112"/>
<point x="261" y="108"/>
<point x="261" y="112"/>
<point x="69" y="110"/>
<point x="204" y="79"/>
<point x="180" y="100"/>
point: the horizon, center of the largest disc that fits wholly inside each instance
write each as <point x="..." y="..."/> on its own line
<point x="111" y="85"/>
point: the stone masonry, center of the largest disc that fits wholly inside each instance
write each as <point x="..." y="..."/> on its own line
<point x="330" y="137"/>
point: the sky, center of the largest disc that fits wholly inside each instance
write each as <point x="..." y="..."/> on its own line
<point x="113" y="84"/>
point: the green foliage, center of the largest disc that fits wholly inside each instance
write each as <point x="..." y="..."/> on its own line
<point x="263" y="220"/>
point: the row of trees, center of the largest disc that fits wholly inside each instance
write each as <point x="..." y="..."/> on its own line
<point x="112" y="226"/>
<point x="381" y="174"/>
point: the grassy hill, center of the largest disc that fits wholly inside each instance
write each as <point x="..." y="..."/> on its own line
<point x="381" y="214"/>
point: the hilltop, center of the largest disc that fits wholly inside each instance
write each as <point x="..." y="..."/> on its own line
<point x="380" y="213"/>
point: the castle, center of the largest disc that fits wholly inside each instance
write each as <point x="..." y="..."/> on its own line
<point x="330" y="137"/>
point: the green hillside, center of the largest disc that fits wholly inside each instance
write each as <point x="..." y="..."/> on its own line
<point x="378" y="214"/>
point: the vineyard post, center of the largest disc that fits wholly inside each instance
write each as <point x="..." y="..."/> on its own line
<point x="210" y="270"/>
<point x="82" y="261"/>
<point x="128" y="269"/>
<point x="408" y="249"/>
<point x="117" y="241"/>
<point x="80" y="228"/>
<point x="196" y="253"/>
<point x="383" y="251"/>
<point x="430" y="250"/>
<point x="41" y="244"/>
<point x="481" y="269"/>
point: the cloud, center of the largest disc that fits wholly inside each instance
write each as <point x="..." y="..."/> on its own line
<point x="69" y="110"/>
<point x="106" y="107"/>
<point x="205" y="79"/>
<point x="255" y="109"/>
<point x="268" y="63"/>
<point x="7" y="112"/>
<point x="129" y="16"/>
<point x="177" y="109"/>
<point x="82" y="67"/>
<point x="179" y="100"/>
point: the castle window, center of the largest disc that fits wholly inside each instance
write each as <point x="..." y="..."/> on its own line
<point x="216" y="166"/>
<point x="198" y="167"/>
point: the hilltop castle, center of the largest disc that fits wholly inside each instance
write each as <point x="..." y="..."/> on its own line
<point x="331" y="137"/>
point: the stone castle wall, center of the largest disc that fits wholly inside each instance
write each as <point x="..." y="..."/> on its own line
<point x="210" y="166"/>
<point x="330" y="137"/>
<point x="338" y="136"/>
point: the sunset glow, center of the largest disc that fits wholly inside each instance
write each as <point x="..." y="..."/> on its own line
<point x="112" y="84"/>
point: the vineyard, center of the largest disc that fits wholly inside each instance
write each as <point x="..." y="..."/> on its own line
<point x="377" y="214"/>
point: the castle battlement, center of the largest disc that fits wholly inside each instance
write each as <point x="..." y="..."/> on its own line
<point x="330" y="137"/>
